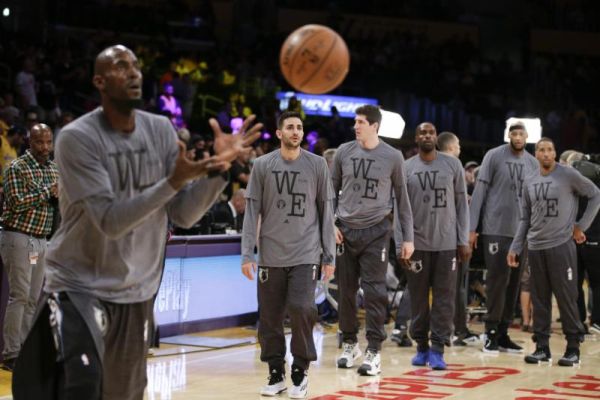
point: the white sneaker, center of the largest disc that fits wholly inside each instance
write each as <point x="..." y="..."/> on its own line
<point x="300" y="391"/>
<point x="276" y="384"/>
<point x="371" y="364"/>
<point x="350" y="352"/>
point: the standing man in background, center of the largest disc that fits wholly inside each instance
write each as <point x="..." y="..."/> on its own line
<point x="496" y="201"/>
<point x="364" y="173"/>
<point x="30" y="184"/>
<point x="290" y="190"/>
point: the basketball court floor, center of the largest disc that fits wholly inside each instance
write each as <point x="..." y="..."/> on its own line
<point x="236" y="373"/>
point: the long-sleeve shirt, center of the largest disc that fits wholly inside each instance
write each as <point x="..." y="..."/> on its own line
<point x="27" y="195"/>
<point x="114" y="201"/>
<point x="549" y="208"/>
<point x="294" y="200"/>
<point x="498" y="191"/>
<point x="437" y="193"/>
<point x="363" y="181"/>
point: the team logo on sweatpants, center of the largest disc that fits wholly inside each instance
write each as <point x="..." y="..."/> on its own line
<point x="101" y="320"/>
<point x="453" y="263"/>
<point x="263" y="275"/>
<point x="416" y="266"/>
<point x="493" y="248"/>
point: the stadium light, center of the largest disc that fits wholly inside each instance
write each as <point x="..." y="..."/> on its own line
<point x="392" y="125"/>
<point x="532" y="125"/>
<point x="6" y="12"/>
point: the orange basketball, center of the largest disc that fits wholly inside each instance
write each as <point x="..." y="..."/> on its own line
<point x="314" y="59"/>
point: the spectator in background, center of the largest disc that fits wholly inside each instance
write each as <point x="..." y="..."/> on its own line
<point x="328" y="155"/>
<point x="31" y="183"/>
<point x="26" y="86"/>
<point x="239" y="175"/>
<point x="168" y="103"/>
<point x="449" y="143"/>
<point x="470" y="167"/>
<point x="64" y="119"/>
<point x="10" y="146"/>
<point x="295" y="105"/>
<point x="9" y="114"/>
<point x="231" y="212"/>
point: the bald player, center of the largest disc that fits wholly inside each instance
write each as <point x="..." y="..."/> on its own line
<point x="30" y="187"/>
<point x="123" y="176"/>
<point x="494" y="212"/>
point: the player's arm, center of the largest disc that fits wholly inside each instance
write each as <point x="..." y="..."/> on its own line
<point x="336" y="180"/>
<point x="478" y="197"/>
<point x="403" y="231"/>
<point x="516" y="247"/>
<point x="462" y="213"/>
<point x="253" y="196"/>
<point x="325" y="197"/>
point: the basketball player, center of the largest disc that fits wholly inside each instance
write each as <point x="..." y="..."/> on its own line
<point x="496" y="200"/>
<point x="438" y="196"/>
<point x="290" y="190"/>
<point x="548" y="212"/>
<point x="123" y="174"/>
<point x="364" y="173"/>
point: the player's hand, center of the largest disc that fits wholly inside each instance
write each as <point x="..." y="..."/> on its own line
<point x="339" y="238"/>
<point x="578" y="235"/>
<point x="473" y="240"/>
<point x="408" y="248"/>
<point x="249" y="269"/>
<point x="327" y="271"/>
<point x="229" y="147"/>
<point x="512" y="259"/>
<point x="464" y="253"/>
<point x="187" y="169"/>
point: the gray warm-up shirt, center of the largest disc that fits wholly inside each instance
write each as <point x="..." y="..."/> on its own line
<point x="498" y="191"/>
<point x="363" y="180"/>
<point x="294" y="200"/>
<point x="438" y="196"/>
<point x="114" y="201"/>
<point x="549" y="208"/>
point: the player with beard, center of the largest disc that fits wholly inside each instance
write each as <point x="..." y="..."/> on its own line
<point x="495" y="201"/>
<point x="438" y="196"/>
<point x="548" y="213"/>
<point x="123" y="175"/>
<point x="291" y="191"/>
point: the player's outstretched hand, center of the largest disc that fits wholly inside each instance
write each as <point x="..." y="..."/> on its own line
<point x="228" y="147"/>
<point x="187" y="169"/>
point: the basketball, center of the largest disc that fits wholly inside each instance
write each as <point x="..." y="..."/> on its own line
<point x="314" y="59"/>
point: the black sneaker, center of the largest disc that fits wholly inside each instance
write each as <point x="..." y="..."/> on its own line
<point x="458" y="342"/>
<point x="400" y="337"/>
<point x="570" y="358"/>
<point x="8" y="364"/>
<point x="595" y="327"/>
<point x="508" y="346"/>
<point x="491" y="343"/>
<point x="471" y="337"/>
<point x="541" y="354"/>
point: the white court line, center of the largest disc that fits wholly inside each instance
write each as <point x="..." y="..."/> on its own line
<point x="6" y="398"/>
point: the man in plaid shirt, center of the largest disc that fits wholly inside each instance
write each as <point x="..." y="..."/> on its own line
<point x="30" y="188"/>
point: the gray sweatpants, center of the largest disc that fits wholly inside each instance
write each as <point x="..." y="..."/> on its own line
<point x="366" y="257"/>
<point x="23" y="257"/>
<point x="555" y="271"/>
<point x="501" y="283"/>
<point x="439" y="270"/>
<point x="294" y="288"/>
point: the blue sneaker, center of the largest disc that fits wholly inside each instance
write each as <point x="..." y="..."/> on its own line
<point x="436" y="360"/>
<point x="420" y="360"/>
